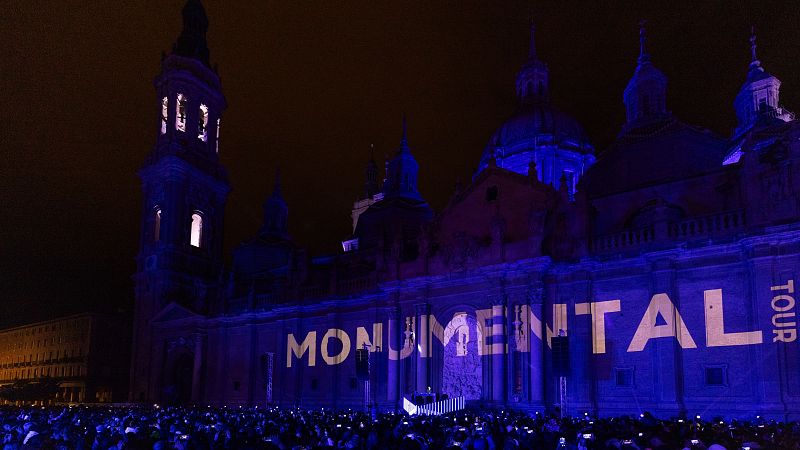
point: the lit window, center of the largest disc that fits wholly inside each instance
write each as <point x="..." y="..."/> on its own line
<point x="157" y="228"/>
<point x="164" y="111"/>
<point x="202" y="124"/>
<point x="218" y="135"/>
<point x="180" y="113"/>
<point x="197" y="230"/>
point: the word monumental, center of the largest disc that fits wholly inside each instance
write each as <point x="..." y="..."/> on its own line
<point x="661" y="319"/>
<point x="669" y="261"/>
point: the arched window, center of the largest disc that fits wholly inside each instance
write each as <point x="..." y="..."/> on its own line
<point x="180" y="113"/>
<point x="164" y="111"/>
<point x="202" y="124"/>
<point x="218" y="120"/>
<point x="157" y="226"/>
<point x="196" y="236"/>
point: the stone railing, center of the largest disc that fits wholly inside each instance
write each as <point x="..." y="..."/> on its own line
<point x="313" y="291"/>
<point x="622" y="241"/>
<point x="720" y="224"/>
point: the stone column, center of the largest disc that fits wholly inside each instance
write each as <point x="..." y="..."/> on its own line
<point x="536" y="346"/>
<point x="393" y="343"/>
<point x="498" y="358"/>
<point x="423" y="343"/>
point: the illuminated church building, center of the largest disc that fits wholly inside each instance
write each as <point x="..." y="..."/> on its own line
<point x="673" y="279"/>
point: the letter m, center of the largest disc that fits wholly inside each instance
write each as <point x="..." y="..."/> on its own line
<point x="309" y="345"/>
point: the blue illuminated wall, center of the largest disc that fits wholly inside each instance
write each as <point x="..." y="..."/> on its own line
<point x="672" y="274"/>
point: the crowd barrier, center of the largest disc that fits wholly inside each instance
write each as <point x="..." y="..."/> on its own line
<point x="435" y="408"/>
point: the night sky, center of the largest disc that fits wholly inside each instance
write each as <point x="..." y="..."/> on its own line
<point x="310" y="85"/>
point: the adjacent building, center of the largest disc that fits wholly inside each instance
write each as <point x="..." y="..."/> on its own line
<point x="669" y="261"/>
<point x="87" y="354"/>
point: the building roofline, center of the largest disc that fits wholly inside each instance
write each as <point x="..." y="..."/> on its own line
<point x="58" y="319"/>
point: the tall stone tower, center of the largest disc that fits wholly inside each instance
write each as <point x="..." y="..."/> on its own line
<point x="185" y="189"/>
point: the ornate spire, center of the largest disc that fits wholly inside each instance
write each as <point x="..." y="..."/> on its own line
<point x="371" y="185"/>
<point x="276" y="210"/>
<point x="532" y="83"/>
<point x="192" y="41"/>
<point x="404" y="139"/>
<point x="276" y="188"/>
<point x="759" y="96"/>
<point x="754" y="62"/>
<point x="646" y="93"/>
<point x="401" y="171"/>
<point x="643" y="55"/>
<point x="532" y="48"/>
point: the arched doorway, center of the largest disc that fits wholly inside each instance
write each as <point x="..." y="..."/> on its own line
<point x="178" y="379"/>
<point x="462" y="373"/>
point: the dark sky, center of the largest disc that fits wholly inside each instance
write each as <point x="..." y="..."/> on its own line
<point x="310" y="85"/>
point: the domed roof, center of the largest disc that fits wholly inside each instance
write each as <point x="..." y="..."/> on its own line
<point x="536" y="125"/>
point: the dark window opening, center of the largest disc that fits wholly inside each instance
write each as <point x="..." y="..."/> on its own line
<point x="491" y="194"/>
<point x="353" y="383"/>
<point x="624" y="377"/>
<point x="715" y="376"/>
<point x="314" y="384"/>
<point x="236" y="385"/>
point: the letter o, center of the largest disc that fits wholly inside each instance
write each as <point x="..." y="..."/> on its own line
<point x="336" y="359"/>
<point x="787" y="298"/>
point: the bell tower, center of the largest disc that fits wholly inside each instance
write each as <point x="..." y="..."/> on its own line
<point x="184" y="189"/>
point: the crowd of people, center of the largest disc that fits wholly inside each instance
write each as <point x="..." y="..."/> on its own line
<point x="206" y="428"/>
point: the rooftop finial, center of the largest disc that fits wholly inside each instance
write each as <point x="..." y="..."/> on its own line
<point x="532" y="48"/>
<point x="276" y="190"/>
<point x="192" y="40"/>
<point x="372" y="152"/>
<point x="404" y="139"/>
<point x="643" y="55"/>
<point x="754" y="58"/>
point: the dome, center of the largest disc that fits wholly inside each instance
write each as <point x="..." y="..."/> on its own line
<point x="539" y="135"/>
<point x="535" y="126"/>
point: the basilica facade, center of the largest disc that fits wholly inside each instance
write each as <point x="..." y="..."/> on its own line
<point x="672" y="279"/>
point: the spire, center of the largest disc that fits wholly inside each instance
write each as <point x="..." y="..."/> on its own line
<point x="758" y="99"/>
<point x="644" y="57"/>
<point x="532" y="47"/>
<point x="532" y="81"/>
<point x="646" y="93"/>
<point x="371" y="184"/>
<point x="276" y="188"/>
<point x="192" y="41"/>
<point x="276" y="211"/>
<point x="401" y="171"/>
<point x="753" y="58"/>
<point x="404" y="139"/>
